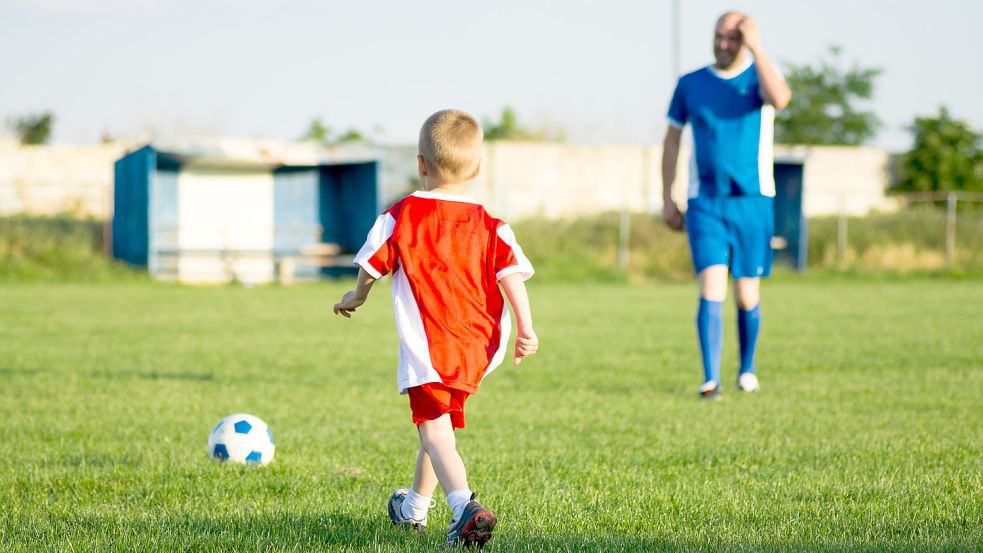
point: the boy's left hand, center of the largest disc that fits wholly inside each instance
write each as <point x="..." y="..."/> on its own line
<point x="526" y="344"/>
<point x="347" y="305"/>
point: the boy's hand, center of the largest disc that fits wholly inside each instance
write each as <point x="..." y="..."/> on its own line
<point x="526" y="344"/>
<point x="347" y="305"/>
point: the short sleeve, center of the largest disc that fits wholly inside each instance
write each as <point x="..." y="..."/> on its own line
<point x="677" y="107"/>
<point x="509" y="258"/>
<point x="378" y="255"/>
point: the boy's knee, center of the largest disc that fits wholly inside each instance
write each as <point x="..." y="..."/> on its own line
<point x="436" y="432"/>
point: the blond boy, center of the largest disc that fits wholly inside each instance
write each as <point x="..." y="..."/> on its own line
<point x="448" y="257"/>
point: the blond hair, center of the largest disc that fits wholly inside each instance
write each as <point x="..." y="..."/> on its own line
<point x="450" y="143"/>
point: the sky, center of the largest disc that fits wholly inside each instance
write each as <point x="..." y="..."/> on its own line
<point x="601" y="70"/>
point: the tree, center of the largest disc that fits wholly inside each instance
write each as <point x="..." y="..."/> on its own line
<point x="34" y="128"/>
<point x="947" y="156"/>
<point x="823" y="108"/>
<point x="319" y="132"/>
<point x="508" y="128"/>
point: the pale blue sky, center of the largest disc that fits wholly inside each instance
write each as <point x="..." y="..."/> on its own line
<point x="602" y="70"/>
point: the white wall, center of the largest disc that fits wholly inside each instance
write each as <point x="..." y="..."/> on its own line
<point x="47" y="180"/>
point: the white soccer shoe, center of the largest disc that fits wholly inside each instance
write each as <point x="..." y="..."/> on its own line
<point x="710" y="390"/>
<point x="748" y="382"/>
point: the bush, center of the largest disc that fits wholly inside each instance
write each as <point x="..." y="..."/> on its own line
<point x="55" y="248"/>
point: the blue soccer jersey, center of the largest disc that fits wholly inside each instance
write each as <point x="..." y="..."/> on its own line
<point x="733" y="131"/>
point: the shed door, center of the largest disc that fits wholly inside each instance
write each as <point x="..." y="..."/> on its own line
<point x="790" y="224"/>
<point x="226" y="225"/>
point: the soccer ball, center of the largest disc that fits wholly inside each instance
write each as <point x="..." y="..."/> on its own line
<point x="241" y="438"/>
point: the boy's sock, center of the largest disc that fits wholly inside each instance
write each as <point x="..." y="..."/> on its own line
<point x="458" y="499"/>
<point x="710" y="329"/>
<point x="415" y="506"/>
<point x="747" y="327"/>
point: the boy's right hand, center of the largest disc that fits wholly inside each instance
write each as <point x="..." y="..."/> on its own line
<point x="347" y="305"/>
<point x="526" y="344"/>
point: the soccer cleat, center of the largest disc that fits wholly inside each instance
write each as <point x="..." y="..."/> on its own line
<point x="474" y="527"/>
<point x="710" y="390"/>
<point x="396" y="512"/>
<point x="747" y="382"/>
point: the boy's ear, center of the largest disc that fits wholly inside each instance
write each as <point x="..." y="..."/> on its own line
<point x="477" y="169"/>
<point x="421" y="166"/>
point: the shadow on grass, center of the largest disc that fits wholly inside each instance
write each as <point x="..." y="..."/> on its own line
<point x="333" y="531"/>
<point x="155" y="375"/>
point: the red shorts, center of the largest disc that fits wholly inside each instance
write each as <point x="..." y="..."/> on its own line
<point x="430" y="401"/>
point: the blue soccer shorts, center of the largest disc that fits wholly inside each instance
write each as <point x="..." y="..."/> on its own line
<point x="734" y="231"/>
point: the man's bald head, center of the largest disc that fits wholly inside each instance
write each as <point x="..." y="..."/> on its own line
<point x="727" y="40"/>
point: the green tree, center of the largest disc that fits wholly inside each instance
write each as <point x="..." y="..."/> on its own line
<point x="508" y="128"/>
<point x="319" y="132"/>
<point x="947" y="156"/>
<point x="823" y="108"/>
<point x="34" y="128"/>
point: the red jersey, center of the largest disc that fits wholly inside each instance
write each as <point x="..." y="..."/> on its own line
<point x="446" y="254"/>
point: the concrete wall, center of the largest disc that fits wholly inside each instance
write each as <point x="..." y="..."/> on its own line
<point x="518" y="179"/>
<point x="59" y="178"/>
<point x="521" y="179"/>
<point x="841" y="179"/>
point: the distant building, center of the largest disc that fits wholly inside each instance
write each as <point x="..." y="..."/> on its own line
<point x="210" y="214"/>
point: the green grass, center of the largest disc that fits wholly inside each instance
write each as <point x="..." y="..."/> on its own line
<point x="865" y="437"/>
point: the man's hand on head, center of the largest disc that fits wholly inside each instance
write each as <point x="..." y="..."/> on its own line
<point x="749" y="33"/>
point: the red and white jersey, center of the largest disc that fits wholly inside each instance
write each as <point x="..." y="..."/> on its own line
<point x="446" y="254"/>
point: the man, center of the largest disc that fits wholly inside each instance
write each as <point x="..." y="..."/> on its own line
<point x="730" y="106"/>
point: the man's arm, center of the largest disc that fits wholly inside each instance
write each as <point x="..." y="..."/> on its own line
<point x="526" y="341"/>
<point x="670" y="155"/>
<point x="774" y="89"/>
<point x="356" y="297"/>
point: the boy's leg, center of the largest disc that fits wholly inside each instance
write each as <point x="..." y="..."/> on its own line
<point x="424" y="478"/>
<point x="416" y="504"/>
<point x="437" y="440"/>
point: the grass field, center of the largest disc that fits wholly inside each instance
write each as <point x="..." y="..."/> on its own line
<point x="867" y="435"/>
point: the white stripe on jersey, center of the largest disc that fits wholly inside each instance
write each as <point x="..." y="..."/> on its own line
<point x="766" y="153"/>
<point x="381" y="230"/>
<point x="523" y="265"/>
<point x="415" y="365"/>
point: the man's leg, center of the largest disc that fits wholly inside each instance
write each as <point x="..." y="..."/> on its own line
<point x="747" y="291"/>
<point x="710" y="322"/>
<point x="437" y="441"/>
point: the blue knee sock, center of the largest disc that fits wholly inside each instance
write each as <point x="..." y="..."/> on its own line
<point x="747" y="327"/>
<point x="710" y="330"/>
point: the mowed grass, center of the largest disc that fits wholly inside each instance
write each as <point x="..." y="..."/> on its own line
<point x="866" y="436"/>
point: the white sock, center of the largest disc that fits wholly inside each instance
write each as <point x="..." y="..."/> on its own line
<point x="458" y="500"/>
<point x="415" y="506"/>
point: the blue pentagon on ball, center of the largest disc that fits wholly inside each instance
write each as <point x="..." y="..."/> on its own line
<point x="243" y="427"/>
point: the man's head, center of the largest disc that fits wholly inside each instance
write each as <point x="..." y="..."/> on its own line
<point x="450" y="146"/>
<point x="727" y="40"/>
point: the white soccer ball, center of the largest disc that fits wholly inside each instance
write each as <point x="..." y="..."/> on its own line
<point x="241" y="438"/>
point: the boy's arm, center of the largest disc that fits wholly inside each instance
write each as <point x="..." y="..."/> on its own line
<point x="356" y="297"/>
<point x="526" y="342"/>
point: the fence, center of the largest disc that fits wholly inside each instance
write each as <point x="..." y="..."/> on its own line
<point x="951" y="201"/>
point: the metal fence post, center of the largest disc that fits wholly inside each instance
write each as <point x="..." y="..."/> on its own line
<point x="624" y="236"/>
<point x="950" y="230"/>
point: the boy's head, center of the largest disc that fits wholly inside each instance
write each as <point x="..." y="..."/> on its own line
<point x="450" y="146"/>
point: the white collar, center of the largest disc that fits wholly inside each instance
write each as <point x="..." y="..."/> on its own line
<point x="442" y="196"/>
<point x="724" y="74"/>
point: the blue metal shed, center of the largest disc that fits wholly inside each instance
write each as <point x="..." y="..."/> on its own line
<point x="201" y="216"/>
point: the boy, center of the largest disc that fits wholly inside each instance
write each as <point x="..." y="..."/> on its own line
<point x="448" y="257"/>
